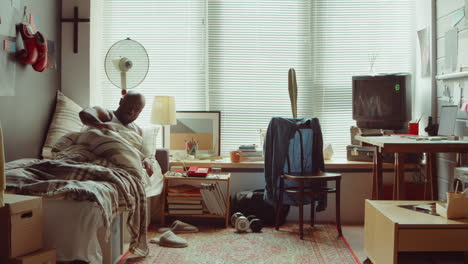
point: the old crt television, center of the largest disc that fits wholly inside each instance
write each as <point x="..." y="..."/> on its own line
<point x="380" y="101"/>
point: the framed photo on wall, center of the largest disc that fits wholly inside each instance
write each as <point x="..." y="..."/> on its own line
<point x="202" y="127"/>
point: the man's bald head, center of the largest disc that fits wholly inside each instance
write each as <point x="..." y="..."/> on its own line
<point x="130" y="107"/>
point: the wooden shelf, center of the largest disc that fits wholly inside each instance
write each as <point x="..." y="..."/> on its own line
<point x="454" y="75"/>
<point x="223" y="178"/>
<point x="196" y="215"/>
<point x="259" y="165"/>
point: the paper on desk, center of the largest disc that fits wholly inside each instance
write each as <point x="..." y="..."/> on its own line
<point x="457" y="16"/>
<point x="457" y="94"/>
<point x="451" y="49"/>
<point x="463" y="53"/>
<point x="466" y="8"/>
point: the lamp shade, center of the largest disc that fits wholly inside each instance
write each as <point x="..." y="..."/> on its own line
<point x="163" y="111"/>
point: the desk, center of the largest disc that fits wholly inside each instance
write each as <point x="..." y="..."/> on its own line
<point x="389" y="229"/>
<point x="258" y="166"/>
<point x="400" y="146"/>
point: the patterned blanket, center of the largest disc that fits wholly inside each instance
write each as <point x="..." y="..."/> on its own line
<point x="103" y="166"/>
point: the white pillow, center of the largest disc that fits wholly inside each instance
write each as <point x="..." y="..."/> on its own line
<point x="150" y="136"/>
<point x="65" y="120"/>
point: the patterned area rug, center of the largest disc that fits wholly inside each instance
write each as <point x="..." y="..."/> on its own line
<point x="224" y="245"/>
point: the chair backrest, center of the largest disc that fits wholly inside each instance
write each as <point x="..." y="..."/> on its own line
<point x="293" y="146"/>
<point x="305" y="154"/>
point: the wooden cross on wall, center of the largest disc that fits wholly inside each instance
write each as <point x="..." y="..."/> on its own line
<point x="75" y="20"/>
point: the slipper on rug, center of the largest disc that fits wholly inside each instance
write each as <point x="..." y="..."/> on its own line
<point x="179" y="227"/>
<point x="169" y="239"/>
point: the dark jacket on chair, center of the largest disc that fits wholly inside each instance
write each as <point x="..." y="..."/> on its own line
<point x="283" y="140"/>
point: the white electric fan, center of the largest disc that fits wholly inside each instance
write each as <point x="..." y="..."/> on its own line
<point x="126" y="64"/>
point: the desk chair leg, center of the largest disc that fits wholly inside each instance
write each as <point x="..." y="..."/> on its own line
<point x="301" y="210"/>
<point x="337" y="205"/>
<point x="400" y="172"/>
<point x="396" y="180"/>
<point x="312" y="210"/>
<point x="433" y="177"/>
<point x="430" y="186"/>
<point x="379" y="172"/>
<point x="279" y="204"/>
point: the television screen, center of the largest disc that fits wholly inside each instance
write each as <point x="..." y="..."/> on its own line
<point x="379" y="101"/>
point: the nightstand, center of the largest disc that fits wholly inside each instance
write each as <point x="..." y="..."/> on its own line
<point x="224" y="181"/>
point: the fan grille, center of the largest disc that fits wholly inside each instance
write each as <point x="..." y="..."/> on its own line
<point x="133" y="51"/>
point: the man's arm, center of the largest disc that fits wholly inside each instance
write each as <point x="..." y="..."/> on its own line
<point x="95" y="117"/>
<point x="148" y="166"/>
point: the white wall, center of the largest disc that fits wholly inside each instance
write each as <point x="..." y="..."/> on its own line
<point x="25" y="116"/>
<point x="445" y="11"/>
<point x="75" y="80"/>
<point x="423" y="85"/>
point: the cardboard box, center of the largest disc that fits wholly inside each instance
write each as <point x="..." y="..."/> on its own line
<point x="21" y="225"/>
<point x="43" y="256"/>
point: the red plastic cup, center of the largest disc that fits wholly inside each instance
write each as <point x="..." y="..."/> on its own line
<point x="413" y="128"/>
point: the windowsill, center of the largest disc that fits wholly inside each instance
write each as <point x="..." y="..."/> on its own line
<point x="226" y="163"/>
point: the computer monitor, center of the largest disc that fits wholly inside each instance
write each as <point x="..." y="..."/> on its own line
<point x="380" y="101"/>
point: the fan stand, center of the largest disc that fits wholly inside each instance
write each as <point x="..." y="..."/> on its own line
<point x="123" y="82"/>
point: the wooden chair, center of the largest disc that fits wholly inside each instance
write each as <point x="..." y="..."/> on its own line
<point x="294" y="165"/>
<point x="303" y="172"/>
<point x="302" y="190"/>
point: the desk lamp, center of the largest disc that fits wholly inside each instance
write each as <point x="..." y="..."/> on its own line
<point x="163" y="113"/>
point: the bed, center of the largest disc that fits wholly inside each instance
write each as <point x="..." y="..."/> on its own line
<point x="89" y="201"/>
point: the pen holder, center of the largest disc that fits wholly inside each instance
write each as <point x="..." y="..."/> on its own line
<point x="191" y="147"/>
<point x="413" y="128"/>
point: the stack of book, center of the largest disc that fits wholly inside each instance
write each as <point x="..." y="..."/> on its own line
<point x="250" y="153"/>
<point x="184" y="199"/>
<point x="214" y="198"/>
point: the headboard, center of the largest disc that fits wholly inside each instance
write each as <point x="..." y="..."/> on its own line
<point x="162" y="156"/>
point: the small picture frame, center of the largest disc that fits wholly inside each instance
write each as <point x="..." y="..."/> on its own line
<point x="203" y="127"/>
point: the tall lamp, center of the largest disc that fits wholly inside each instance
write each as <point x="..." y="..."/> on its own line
<point x="163" y="113"/>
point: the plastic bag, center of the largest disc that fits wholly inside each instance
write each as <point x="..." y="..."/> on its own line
<point x="456" y="206"/>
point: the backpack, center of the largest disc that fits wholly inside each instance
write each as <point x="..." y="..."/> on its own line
<point x="252" y="203"/>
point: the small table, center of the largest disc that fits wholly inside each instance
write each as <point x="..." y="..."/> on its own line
<point x="389" y="229"/>
<point x="400" y="146"/>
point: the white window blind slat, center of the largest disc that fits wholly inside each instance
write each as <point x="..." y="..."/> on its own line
<point x="252" y="45"/>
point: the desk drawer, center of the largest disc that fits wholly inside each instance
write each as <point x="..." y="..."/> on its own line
<point x="437" y="239"/>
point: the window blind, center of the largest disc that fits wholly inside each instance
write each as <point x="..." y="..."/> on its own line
<point x="173" y="34"/>
<point x="346" y="35"/>
<point x="251" y="46"/>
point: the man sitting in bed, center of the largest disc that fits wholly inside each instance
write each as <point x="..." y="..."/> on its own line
<point x="130" y="107"/>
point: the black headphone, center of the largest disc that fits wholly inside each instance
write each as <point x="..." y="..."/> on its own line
<point x="242" y="223"/>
